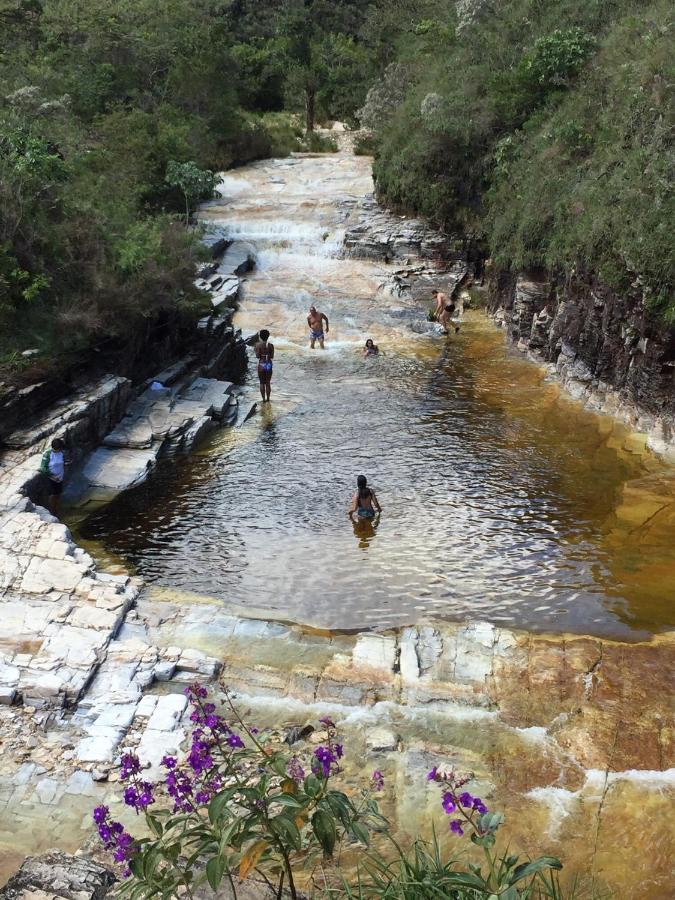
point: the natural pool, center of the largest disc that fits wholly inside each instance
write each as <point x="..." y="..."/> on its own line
<point x="502" y="500"/>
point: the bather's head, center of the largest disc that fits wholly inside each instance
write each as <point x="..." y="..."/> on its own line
<point x="369" y="344"/>
<point x="264" y="334"/>
<point x="361" y="482"/>
<point x="57" y="445"/>
<point x="434" y="293"/>
<point x="312" y="309"/>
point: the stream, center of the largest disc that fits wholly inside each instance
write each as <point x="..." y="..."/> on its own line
<point x="503" y="500"/>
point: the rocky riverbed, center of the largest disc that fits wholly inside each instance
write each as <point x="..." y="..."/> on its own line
<point x="571" y="735"/>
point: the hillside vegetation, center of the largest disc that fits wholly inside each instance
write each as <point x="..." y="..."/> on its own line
<point x="545" y="129"/>
<point x="106" y="108"/>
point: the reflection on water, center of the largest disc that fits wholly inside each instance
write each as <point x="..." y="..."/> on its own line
<point x="365" y="530"/>
<point x="501" y="499"/>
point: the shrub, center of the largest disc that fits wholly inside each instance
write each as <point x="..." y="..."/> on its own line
<point x="242" y="803"/>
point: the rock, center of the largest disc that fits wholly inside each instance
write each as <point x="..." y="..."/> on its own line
<point x="163" y="671"/>
<point x="238" y="259"/>
<point x="27" y="354"/>
<point x="59" y="876"/>
<point x="167" y="712"/>
<point x="112" y="471"/>
<point x="381" y="739"/>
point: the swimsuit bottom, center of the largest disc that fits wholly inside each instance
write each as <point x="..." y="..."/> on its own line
<point x="265" y="366"/>
<point x="315" y="335"/>
<point x="365" y="513"/>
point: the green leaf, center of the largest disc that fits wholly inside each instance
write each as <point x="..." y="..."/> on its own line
<point x="531" y="868"/>
<point x="312" y="786"/>
<point x="289" y="829"/>
<point x="360" y="832"/>
<point x="219" y="803"/>
<point x="324" y="828"/>
<point x="286" y="800"/>
<point x="215" y="869"/>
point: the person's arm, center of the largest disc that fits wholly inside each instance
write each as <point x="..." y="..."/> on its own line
<point x="324" y="316"/>
<point x="355" y="500"/>
<point x="256" y="350"/>
<point x="376" y="502"/>
<point x="270" y="349"/>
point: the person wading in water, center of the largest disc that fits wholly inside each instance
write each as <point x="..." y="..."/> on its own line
<point x="371" y="349"/>
<point x="445" y="309"/>
<point x="364" y="502"/>
<point x="315" y="321"/>
<point x="264" y="350"/>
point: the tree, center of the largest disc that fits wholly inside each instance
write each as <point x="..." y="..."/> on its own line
<point x="196" y="184"/>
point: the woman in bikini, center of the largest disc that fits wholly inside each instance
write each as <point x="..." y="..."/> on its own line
<point x="371" y="349"/>
<point x="364" y="502"/>
<point x="264" y="350"/>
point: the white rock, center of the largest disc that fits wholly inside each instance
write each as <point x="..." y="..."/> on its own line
<point x="167" y="713"/>
<point x="376" y="651"/>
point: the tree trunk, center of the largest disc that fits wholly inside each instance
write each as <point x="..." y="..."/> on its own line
<point x="309" y="108"/>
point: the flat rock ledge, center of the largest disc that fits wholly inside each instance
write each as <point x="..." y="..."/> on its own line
<point x="59" y="876"/>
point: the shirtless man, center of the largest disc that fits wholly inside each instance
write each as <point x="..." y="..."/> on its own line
<point x="264" y="350"/>
<point x="315" y="321"/>
<point x="445" y="309"/>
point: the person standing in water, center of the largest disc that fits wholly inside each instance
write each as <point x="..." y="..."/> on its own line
<point x="364" y="502"/>
<point x="445" y="309"/>
<point x="264" y="350"/>
<point x="315" y="320"/>
<point x="371" y="349"/>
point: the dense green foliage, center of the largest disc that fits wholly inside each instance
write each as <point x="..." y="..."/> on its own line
<point x="114" y="114"/>
<point x="545" y="128"/>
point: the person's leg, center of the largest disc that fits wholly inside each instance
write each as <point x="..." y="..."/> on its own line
<point x="312" y="341"/>
<point x="261" y="377"/>
<point x="53" y="501"/>
<point x="321" y="340"/>
<point x="268" y="385"/>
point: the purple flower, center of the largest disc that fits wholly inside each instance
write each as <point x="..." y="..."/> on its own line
<point x="131" y="797"/>
<point x="377" y="780"/>
<point x="113" y="836"/>
<point x="338" y="750"/>
<point x="466" y="799"/>
<point x="295" y="770"/>
<point x="235" y="741"/>
<point x="327" y="721"/>
<point x="202" y="797"/>
<point x="456" y="826"/>
<point x="101" y="814"/>
<point x="433" y="775"/>
<point x="323" y="760"/>
<point x="145" y="797"/>
<point x="448" y="803"/>
<point x="130" y="765"/>
<point x="169" y="762"/>
<point x="195" y="692"/>
<point x="479" y="806"/>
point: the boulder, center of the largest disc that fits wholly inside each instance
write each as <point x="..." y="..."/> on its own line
<point x="59" y="876"/>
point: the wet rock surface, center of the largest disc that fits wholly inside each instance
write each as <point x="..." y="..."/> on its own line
<point x="608" y="351"/>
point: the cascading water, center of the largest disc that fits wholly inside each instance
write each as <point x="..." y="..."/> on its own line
<point x="502" y="500"/>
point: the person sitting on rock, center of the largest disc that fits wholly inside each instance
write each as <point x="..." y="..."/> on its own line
<point x="264" y="350"/>
<point x="53" y="467"/>
<point x="371" y="349"/>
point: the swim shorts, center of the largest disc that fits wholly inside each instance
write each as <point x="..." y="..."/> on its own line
<point x="315" y="335"/>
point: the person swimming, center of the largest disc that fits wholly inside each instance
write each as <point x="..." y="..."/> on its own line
<point x="364" y="502"/>
<point x="371" y="349"/>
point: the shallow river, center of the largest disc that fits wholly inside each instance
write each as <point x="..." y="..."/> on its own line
<point x="502" y="500"/>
